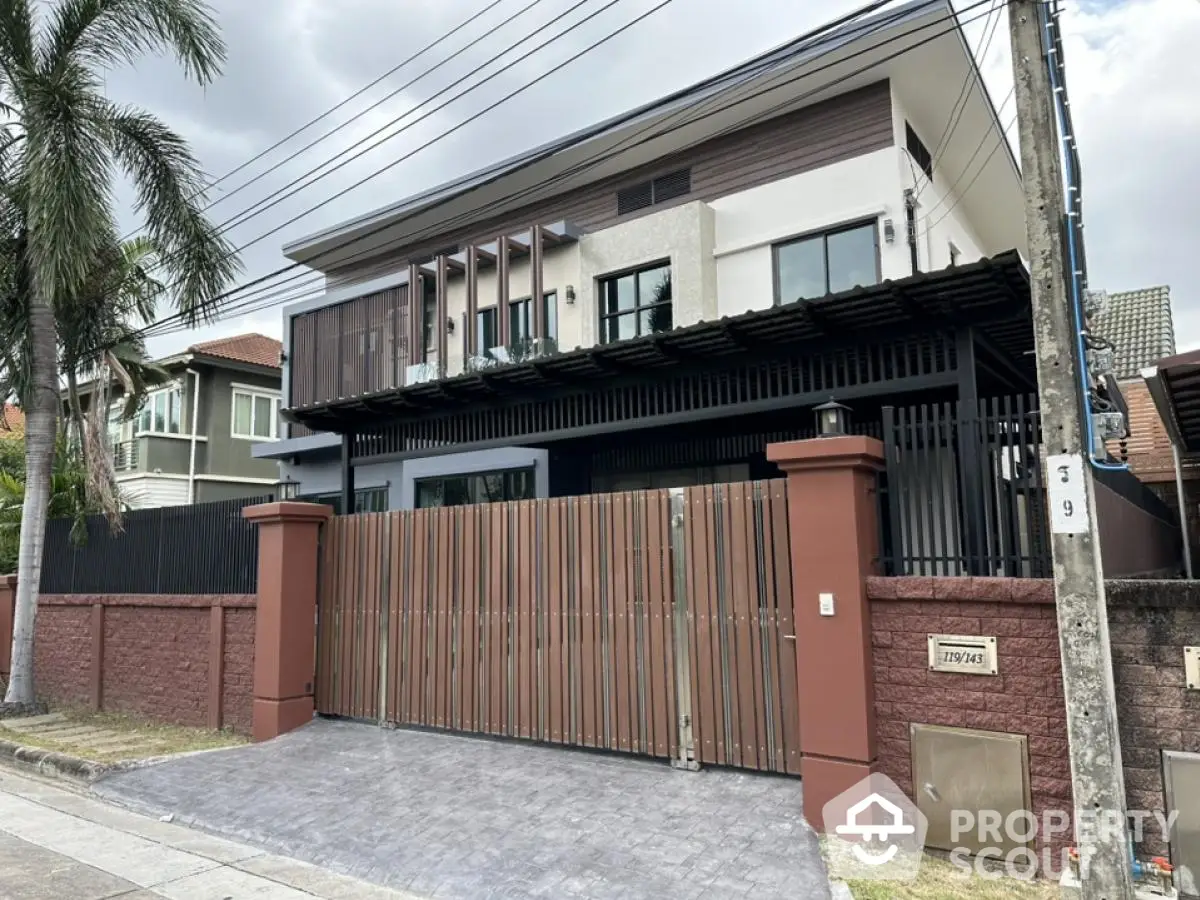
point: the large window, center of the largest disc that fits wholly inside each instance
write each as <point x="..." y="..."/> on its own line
<point x="477" y="487"/>
<point x="520" y="321"/>
<point x="255" y="415"/>
<point x="366" y="500"/>
<point x="161" y="412"/>
<point x="827" y="263"/>
<point x="635" y="303"/>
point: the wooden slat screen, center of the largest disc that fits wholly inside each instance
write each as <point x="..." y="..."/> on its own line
<point x="350" y="348"/>
<point x="553" y="620"/>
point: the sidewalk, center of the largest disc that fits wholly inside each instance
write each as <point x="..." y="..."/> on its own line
<point x="57" y="843"/>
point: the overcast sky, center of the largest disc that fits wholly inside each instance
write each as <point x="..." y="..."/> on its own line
<point x="1131" y="71"/>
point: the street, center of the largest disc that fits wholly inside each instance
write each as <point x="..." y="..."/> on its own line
<point x="57" y="843"/>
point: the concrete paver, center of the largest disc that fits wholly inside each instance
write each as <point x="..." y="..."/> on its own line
<point x="55" y="843"/>
<point x="448" y="816"/>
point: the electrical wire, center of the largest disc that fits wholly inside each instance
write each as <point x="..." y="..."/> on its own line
<point x="318" y="279"/>
<point x="950" y="191"/>
<point x="974" y="75"/>
<point x="253" y="305"/>
<point x="244" y="303"/>
<point x="327" y="113"/>
<point x="283" y="193"/>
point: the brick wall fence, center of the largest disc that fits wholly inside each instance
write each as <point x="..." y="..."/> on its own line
<point x="188" y="660"/>
<point x="241" y="661"/>
<point x="1150" y="623"/>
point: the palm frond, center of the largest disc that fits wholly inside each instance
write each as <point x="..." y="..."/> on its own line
<point x="109" y="33"/>
<point x="17" y="55"/>
<point x="170" y="190"/>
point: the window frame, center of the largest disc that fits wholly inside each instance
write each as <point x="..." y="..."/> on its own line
<point x="824" y="234"/>
<point x="637" y="307"/>
<point x="531" y="471"/>
<point x="276" y="399"/>
<point x="334" y="499"/>
<point x="147" y="405"/>
<point x="513" y="305"/>
<point x="483" y="347"/>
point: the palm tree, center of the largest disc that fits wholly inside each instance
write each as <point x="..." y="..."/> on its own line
<point x="64" y="146"/>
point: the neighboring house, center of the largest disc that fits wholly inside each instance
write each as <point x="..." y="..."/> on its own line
<point x="190" y="441"/>
<point x="14" y="422"/>
<point x="707" y="269"/>
<point x="1141" y="328"/>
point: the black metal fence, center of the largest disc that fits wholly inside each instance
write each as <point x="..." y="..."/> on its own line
<point x="206" y="548"/>
<point x="963" y="493"/>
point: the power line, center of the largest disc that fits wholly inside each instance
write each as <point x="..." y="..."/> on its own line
<point x="973" y="77"/>
<point x="256" y="209"/>
<point x="311" y="122"/>
<point x="454" y="128"/>
<point x="987" y="159"/>
<point x="248" y="304"/>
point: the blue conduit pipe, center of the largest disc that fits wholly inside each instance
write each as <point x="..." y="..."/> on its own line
<point x="1073" y="187"/>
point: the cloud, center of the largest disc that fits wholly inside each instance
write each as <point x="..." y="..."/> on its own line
<point x="290" y="60"/>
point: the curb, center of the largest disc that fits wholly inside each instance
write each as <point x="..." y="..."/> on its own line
<point x="52" y="764"/>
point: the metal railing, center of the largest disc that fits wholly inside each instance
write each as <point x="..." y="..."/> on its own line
<point x="207" y="548"/>
<point x="964" y="490"/>
<point x="125" y="456"/>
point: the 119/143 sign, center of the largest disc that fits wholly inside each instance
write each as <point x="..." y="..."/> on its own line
<point x="1068" y="498"/>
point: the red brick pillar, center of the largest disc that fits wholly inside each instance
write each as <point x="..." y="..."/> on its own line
<point x="834" y="531"/>
<point x="285" y="621"/>
<point x="8" y="599"/>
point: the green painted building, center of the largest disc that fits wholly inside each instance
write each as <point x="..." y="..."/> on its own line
<point x="190" y="441"/>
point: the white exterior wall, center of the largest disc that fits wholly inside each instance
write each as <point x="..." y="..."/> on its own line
<point x="150" y="491"/>
<point x="749" y="222"/>
<point x="940" y="217"/>
<point x="560" y="268"/>
<point x="684" y="235"/>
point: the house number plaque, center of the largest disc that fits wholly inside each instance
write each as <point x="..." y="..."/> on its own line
<point x="965" y="654"/>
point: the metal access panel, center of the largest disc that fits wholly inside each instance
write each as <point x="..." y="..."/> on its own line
<point x="969" y="770"/>
<point x="1182" y="771"/>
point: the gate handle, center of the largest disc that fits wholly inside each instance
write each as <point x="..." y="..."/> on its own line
<point x="789" y="637"/>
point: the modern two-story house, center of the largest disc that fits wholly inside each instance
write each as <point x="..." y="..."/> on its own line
<point x="649" y="301"/>
<point x="190" y="440"/>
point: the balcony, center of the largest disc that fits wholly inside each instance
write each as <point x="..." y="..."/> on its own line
<point x="125" y="456"/>
<point x="364" y="344"/>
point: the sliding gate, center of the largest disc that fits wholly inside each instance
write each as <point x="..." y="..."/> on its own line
<point x="650" y="622"/>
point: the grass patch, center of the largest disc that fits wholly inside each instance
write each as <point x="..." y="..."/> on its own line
<point x="145" y="738"/>
<point x="939" y="880"/>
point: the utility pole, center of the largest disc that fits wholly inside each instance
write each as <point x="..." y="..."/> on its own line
<point x="1097" y="778"/>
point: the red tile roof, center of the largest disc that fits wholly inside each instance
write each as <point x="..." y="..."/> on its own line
<point x="255" y="349"/>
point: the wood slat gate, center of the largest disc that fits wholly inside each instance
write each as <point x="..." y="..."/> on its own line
<point x="560" y="620"/>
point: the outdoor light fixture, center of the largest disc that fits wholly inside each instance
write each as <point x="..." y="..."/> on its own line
<point x="288" y="489"/>
<point x="889" y="231"/>
<point x="570" y="294"/>
<point x="833" y="419"/>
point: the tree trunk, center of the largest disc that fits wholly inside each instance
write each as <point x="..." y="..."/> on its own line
<point x="41" y="421"/>
<point x="75" y="426"/>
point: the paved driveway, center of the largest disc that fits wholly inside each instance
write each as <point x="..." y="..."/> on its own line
<point x="447" y="816"/>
